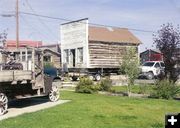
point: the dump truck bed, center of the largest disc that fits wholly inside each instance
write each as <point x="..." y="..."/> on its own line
<point x="15" y="75"/>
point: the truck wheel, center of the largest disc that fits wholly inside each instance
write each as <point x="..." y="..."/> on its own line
<point x="56" y="82"/>
<point x="3" y="104"/>
<point x="54" y="94"/>
<point x="150" y="75"/>
<point x="97" y="77"/>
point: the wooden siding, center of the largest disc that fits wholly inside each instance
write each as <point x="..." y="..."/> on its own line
<point x="54" y="52"/>
<point x="106" y="55"/>
<point x="55" y="58"/>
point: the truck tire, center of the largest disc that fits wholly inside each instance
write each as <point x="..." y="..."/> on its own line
<point x="150" y="76"/>
<point x="54" y="94"/>
<point x="97" y="77"/>
<point x="3" y="104"/>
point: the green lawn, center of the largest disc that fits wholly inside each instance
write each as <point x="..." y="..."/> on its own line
<point x="98" y="111"/>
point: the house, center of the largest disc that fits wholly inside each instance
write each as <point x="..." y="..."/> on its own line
<point x="11" y="44"/>
<point x="92" y="47"/>
<point x="151" y="55"/>
<point x="52" y="55"/>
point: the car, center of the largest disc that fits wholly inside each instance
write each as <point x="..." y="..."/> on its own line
<point x="152" y="69"/>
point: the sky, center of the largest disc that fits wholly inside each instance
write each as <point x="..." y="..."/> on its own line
<point x="146" y="15"/>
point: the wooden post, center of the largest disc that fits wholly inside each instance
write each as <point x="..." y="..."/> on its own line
<point x="20" y="54"/>
<point x="17" y="24"/>
<point x="26" y="54"/>
<point x="33" y="60"/>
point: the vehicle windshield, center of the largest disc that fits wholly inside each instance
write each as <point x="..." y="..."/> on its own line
<point x="148" y="64"/>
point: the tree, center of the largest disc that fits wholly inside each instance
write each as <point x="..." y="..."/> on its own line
<point x="167" y="41"/>
<point x="130" y="66"/>
<point x="3" y="37"/>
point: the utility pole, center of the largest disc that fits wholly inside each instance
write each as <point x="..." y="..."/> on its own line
<point x="17" y="24"/>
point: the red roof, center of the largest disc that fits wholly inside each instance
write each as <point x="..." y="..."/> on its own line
<point x="10" y="44"/>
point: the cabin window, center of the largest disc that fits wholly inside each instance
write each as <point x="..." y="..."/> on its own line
<point x="47" y="58"/>
<point x="66" y="56"/>
<point x="29" y="56"/>
<point x="80" y="55"/>
<point x="23" y="56"/>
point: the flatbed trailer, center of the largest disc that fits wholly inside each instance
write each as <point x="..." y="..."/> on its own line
<point x="27" y="82"/>
<point x="93" y="73"/>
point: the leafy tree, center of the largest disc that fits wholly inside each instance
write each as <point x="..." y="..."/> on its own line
<point x="167" y="40"/>
<point x="130" y="66"/>
<point x="3" y="37"/>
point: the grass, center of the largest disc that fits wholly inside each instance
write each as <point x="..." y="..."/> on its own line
<point x="98" y="111"/>
<point x="140" y="89"/>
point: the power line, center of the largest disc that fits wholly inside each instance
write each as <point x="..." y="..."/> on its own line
<point x="33" y="27"/>
<point x="95" y="24"/>
<point x="41" y="21"/>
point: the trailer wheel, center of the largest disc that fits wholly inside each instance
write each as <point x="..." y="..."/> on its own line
<point x="54" y="94"/>
<point x="74" y="78"/>
<point x="97" y="77"/>
<point x="91" y="77"/>
<point x="3" y="104"/>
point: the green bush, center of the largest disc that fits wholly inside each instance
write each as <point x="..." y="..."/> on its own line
<point x="105" y="84"/>
<point x="165" y="89"/>
<point x="85" y="85"/>
<point x="143" y="89"/>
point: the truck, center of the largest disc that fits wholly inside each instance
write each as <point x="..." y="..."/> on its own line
<point x="151" y="69"/>
<point x="22" y="76"/>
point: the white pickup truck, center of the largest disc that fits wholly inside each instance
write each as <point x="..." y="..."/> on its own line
<point x="151" y="69"/>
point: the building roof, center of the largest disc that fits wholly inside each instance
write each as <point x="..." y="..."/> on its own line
<point x="50" y="50"/>
<point x="53" y="47"/>
<point x="49" y="45"/>
<point x="23" y="43"/>
<point x="154" y="50"/>
<point x="109" y="34"/>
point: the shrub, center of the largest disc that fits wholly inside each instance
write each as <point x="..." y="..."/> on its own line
<point x="85" y="85"/>
<point x="165" y="89"/>
<point x="105" y="84"/>
<point x="143" y="89"/>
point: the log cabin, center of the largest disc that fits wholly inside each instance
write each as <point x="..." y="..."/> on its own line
<point x="52" y="55"/>
<point x="96" y="49"/>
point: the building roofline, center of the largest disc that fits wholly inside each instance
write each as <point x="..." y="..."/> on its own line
<point x="74" y="21"/>
<point x="48" y="45"/>
<point x="151" y="50"/>
<point x="47" y="49"/>
<point x="24" y="40"/>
